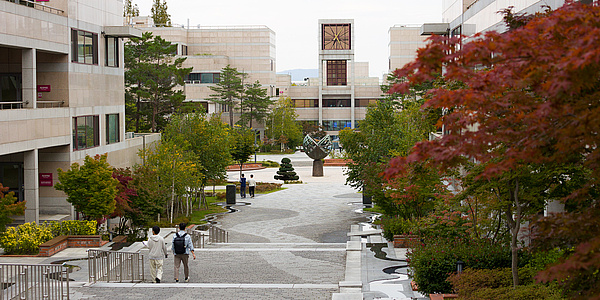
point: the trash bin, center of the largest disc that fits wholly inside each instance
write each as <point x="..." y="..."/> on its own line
<point x="230" y="194"/>
<point x="367" y="200"/>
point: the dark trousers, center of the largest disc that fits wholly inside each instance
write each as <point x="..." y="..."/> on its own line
<point x="251" y="191"/>
<point x="243" y="191"/>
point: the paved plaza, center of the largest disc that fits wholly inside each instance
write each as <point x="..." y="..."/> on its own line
<point x="290" y="244"/>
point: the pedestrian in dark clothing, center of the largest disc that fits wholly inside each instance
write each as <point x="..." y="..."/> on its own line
<point x="243" y="186"/>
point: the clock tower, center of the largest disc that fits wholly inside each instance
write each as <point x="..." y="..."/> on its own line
<point x="336" y="72"/>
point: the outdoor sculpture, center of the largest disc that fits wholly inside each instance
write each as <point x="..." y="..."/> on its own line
<point x="317" y="148"/>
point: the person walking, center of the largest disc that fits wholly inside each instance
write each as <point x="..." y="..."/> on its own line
<point x="251" y="185"/>
<point x="243" y="186"/>
<point x="182" y="247"/>
<point x="158" y="251"/>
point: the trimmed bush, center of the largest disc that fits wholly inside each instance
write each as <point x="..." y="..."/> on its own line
<point x="73" y="227"/>
<point x="435" y="259"/>
<point x="25" y="239"/>
<point x="497" y="284"/>
<point x="286" y="171"/>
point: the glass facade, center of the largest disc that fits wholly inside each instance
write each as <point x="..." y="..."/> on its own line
<point x="112" y="51"/>
<point x="364" y="102"/>
<point x="86" y="132"/>
<point x="112" y="128"/>
<point x="84" y="47"/>
<point x="337" y="72"/>
<point x="304" y="103"/>
<point x="336" y="102"/>
<point x="203" y="77"/>
<point x="336" y="125"/>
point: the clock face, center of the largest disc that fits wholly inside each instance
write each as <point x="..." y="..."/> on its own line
<point x="336" y="36"/>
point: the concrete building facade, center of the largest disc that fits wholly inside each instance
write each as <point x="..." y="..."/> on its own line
<point x="208" y="49"/>
<point x="62" y="96"/>
<point x="403" y="45"/>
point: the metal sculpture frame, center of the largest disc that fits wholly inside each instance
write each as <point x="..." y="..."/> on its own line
<point x="317" y="149"/>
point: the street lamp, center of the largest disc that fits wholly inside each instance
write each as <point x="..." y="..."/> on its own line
<point x="459" y="266"/>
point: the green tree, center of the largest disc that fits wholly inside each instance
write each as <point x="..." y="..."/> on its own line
<point x="130" y="10"/>
<point x="151" y="75"/>
<point x="90" y="188"/>
<point x="159" y="14"/>
<point x="387" y="132"/>
<point x="208" y="138"/>
<point x="150" y="198"/>
<point x="176" y="169"/>
<point x="255" y="104"/>
<point x="282" y="126"/>
<point x="242" y="145"/>
<point x="10" y="207"/>
<point x="229" y="90"/>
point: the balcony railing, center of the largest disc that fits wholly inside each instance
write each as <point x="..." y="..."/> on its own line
<point x="22" y="104"/>
<point x="39" y="6"/>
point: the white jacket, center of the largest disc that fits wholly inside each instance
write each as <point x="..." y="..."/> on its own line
<point x="156" y="244"/>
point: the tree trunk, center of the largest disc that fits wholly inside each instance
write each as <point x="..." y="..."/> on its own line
<point x="514" y="224"/>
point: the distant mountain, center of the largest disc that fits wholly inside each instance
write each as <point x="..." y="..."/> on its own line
<point x="300" y="74"/>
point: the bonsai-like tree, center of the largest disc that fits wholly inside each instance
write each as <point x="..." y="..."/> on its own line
<point x="286" y="171"/>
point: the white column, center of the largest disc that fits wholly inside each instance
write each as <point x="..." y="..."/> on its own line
<point x="29" y="74"/>
<point x="32" y="186"/>
<point x="352" y="97"/>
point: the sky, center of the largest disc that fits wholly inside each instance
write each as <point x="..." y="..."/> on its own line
<point x="296" y="23"/>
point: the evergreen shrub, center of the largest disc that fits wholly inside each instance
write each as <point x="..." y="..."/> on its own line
<point x="286" y="171"/>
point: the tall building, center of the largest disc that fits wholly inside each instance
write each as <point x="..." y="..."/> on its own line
<point x="339" y="97"/>
<point x="403" y="45"/>
<point x="208" y="49"/>
<point x="62" y="96"/>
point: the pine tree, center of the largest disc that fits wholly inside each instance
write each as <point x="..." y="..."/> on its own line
<point x="286" y="171"/>
<point x="229" y="89"/>
<point x="255" y="104"/>
<point x="160" y="16"/>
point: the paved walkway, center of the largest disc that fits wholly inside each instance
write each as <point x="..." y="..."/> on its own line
<point x="291" y="244"/>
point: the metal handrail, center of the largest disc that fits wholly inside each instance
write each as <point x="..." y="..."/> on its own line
<point x="215" y="235"/>
<point x="39" y="6"/>
<point x="115" y="266"/>
<point x="51" y="103"/>
<point x="12" y="104"/>
<point x="29" y="281"/>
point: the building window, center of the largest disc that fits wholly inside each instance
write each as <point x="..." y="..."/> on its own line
<point x="84" y="47"/>
<point x="86" y="132"/>
<point x="336" y="125"/>
<point x="184" y="50"/>
<point x="364" y="102"/>
<point x="336" y="72"/>
<point x="303" y="103"/>
<point x="112" y="51"/>
<point x="112" y="128"/>
<point x="202" y="78"/>
<point x="336" y="102"/>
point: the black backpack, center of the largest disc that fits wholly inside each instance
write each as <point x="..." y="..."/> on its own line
<point x="179" y="243"/>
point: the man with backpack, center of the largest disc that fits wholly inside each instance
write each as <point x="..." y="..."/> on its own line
<point x="182" y="246"/>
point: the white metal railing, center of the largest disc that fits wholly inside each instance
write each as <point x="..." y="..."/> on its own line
<point x="29" y="281"/>
<point x="12" y="104"/>
<point x="49" y="103"/>
<point x="115" y="266"/>
<point x="39" y="6"/>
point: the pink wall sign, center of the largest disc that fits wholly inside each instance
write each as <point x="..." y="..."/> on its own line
<point x="46" y="179"/>
<point x="43" y="88"/>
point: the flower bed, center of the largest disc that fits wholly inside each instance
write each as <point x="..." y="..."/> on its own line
<point x="63" y="242"/>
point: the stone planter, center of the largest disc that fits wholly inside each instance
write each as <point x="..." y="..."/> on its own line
<point x="405" y="240"/>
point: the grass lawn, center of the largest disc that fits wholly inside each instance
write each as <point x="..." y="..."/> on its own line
<point x="197" y="216"/>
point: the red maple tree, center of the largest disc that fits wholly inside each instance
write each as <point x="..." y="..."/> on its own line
<point x="529" y="96"/>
